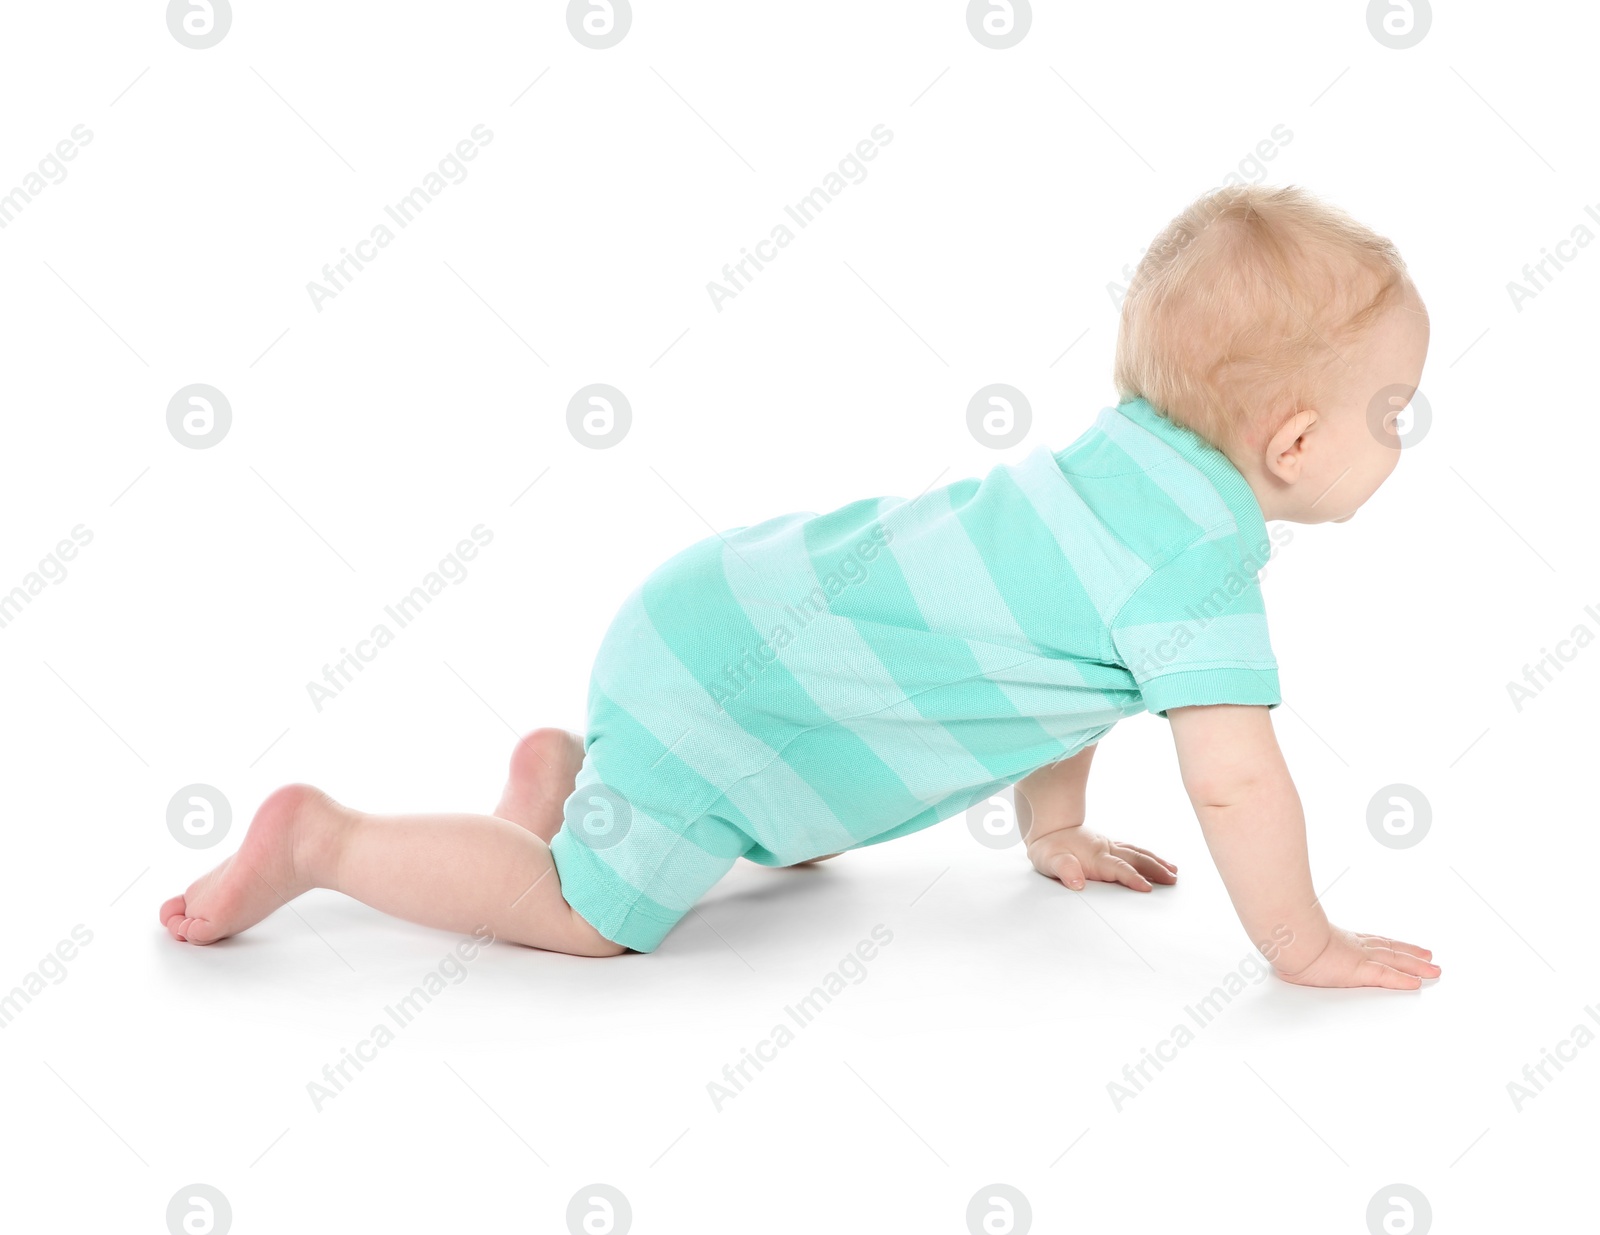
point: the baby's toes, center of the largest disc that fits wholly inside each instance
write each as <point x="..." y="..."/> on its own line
<point x="184" y="927"/>
<point x="198" y="930"/>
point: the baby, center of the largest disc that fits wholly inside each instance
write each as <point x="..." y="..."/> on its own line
<point x="817" y="683"/>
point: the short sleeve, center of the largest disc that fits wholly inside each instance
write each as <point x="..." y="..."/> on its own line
<point x="1195" y="632"/>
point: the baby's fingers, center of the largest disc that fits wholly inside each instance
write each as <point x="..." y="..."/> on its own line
<point x="1147" y="864"/>
<point x="1069" y="870"/>
<point x="1171" y="866"/>
<point x="1113" y="869"/>
<point x="1376" y="973"/>
<point x="1404" y="961"/>
<point x="1395" y="945"/>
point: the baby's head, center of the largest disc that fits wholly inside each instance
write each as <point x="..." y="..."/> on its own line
<point x="1287" y="335"/>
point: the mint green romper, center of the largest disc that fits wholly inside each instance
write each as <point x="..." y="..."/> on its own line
<point x="817" y="683"/>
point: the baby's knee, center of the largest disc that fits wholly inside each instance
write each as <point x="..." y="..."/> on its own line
<point x="586" y="941"/>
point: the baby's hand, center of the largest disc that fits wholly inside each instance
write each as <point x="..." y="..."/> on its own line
<point x="1351" y="959"/>
<point x="1075" y="854"/>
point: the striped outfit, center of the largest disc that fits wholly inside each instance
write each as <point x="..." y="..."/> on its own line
<point x="817" y="683"/>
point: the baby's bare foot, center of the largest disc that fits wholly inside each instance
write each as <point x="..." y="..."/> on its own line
<point x="276" y="863"/>
<point x="544" y="767"/>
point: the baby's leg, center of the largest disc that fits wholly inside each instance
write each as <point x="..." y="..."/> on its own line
<point x="455" y="872"/>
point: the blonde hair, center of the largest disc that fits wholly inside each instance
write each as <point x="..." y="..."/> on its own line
<point x="1244" y="305"/>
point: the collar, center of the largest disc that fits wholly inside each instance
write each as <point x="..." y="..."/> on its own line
<point x="1211" y="462"/>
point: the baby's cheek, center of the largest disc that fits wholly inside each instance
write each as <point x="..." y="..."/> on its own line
<point x="1390" y="460"/>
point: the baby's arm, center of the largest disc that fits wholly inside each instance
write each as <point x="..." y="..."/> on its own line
<point x="1253" y="824"/>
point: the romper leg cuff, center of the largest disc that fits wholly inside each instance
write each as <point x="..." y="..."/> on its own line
<point x="615" y="908"/>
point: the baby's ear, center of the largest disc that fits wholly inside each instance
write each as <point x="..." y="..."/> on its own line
<point x="1284" y="456"/>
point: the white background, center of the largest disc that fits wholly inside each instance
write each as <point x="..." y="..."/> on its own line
<point x="369" y="437"/>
